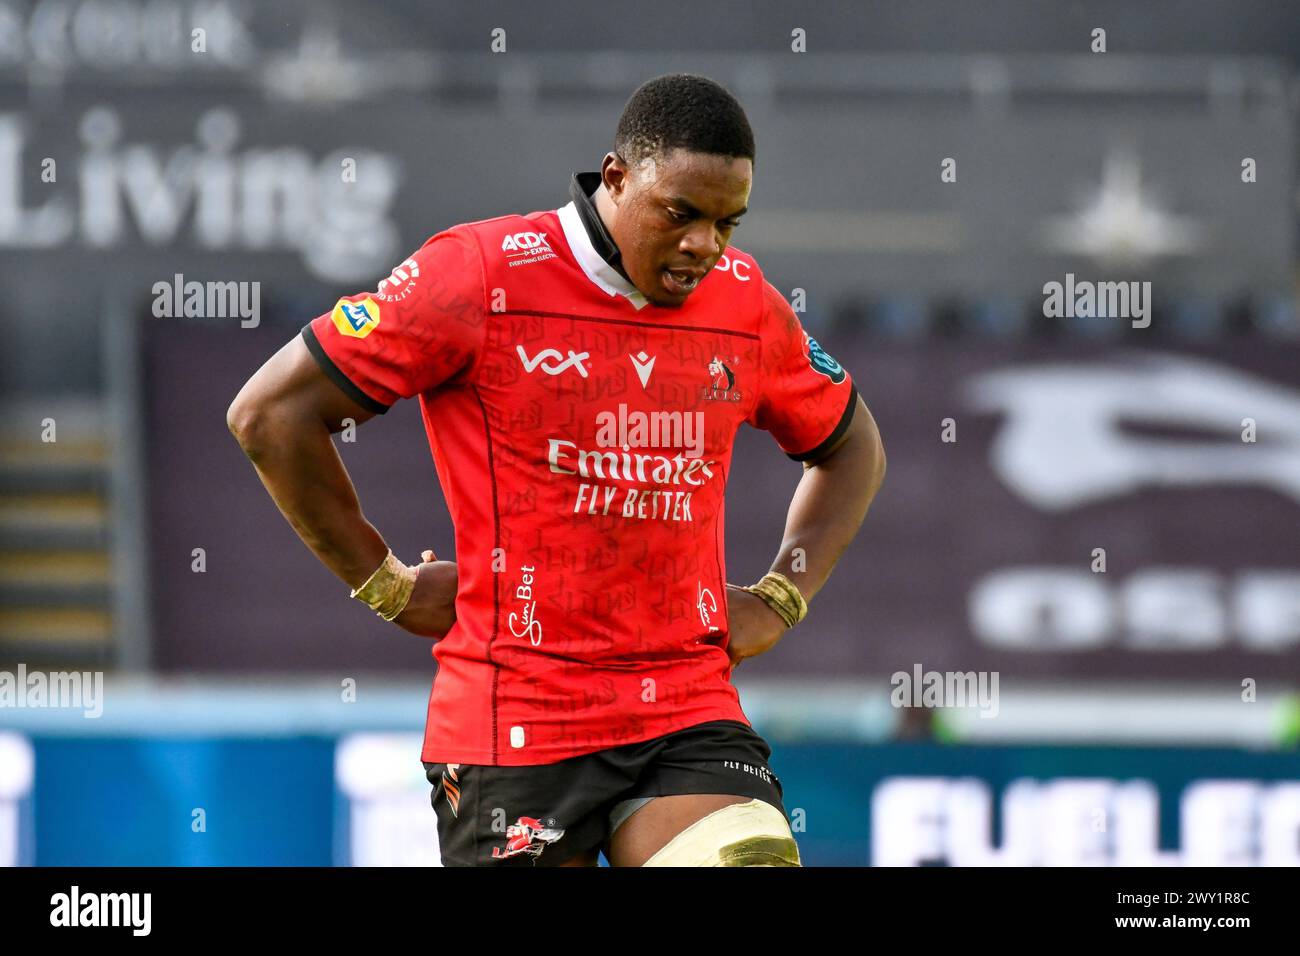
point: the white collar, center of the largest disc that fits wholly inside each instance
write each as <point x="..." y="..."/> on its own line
<point x="609" y="279"/>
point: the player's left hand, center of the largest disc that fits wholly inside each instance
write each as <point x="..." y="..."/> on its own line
<point x="755" y="628"/>
<point x="431" y="611"/>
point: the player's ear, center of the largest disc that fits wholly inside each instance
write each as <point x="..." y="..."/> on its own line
<point x="615" y="172"/>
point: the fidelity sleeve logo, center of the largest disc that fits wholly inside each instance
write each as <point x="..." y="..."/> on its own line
<point x="400" y="282"/>
<point x="357" y="319"/>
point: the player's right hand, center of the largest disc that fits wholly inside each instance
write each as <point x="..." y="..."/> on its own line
<point x="432" y="608"/>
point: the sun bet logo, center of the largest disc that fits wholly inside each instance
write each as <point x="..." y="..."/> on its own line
<point x="707" y="605"/>
<point x="527" y="623"/>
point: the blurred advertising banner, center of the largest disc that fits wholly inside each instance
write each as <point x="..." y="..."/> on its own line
<point x="1085" y="511"/>
<point x="928" y="806"/>
<point x="1100" y="512"/>
<point x="314" y="199"/>
<point x="1085" y="821"/>
<point x="361" y="800"/>
<point x="17" y="775"/>
<point x="1034" y="806"/>
<point x="383" y="817"/>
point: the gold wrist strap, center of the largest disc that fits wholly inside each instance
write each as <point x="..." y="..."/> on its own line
<point x="781" y="596"/>
<point x="389" y="589"/>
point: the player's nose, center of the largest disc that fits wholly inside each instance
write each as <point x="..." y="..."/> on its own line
<point x="702" y="243"/>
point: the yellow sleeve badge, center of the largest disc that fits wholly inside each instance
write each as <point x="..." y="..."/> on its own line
<point x="357" y="319"/>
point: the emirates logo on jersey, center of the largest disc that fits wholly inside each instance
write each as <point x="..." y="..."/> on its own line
<point x="722" y="382"/>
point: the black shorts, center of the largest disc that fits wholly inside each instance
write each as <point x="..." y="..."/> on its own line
<point x="547" y="814"/>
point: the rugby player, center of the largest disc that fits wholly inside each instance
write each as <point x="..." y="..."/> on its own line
<point x="582" y="373"/>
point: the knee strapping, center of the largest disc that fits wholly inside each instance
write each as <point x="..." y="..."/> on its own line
<point x="742" y="834"/>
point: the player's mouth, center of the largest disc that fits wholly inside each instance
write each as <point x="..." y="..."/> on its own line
<point x="681" y="281"/>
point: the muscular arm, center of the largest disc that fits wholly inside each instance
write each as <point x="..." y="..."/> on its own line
<point x="828" y="507"/>
<point x="283" y="418"/>
<point x="831" y="502"/>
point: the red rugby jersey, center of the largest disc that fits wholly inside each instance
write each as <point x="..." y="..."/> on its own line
<point x="582" y="437"/>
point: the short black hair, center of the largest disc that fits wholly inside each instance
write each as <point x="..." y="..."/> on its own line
<point x="686" y="111"/>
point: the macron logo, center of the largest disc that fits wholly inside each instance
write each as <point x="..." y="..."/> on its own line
<point x="644" y="365"/>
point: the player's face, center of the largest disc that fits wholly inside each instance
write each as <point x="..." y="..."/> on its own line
<point x="675" y="218"/>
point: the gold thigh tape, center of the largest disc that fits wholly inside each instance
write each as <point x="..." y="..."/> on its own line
<point x="742" y="834"/>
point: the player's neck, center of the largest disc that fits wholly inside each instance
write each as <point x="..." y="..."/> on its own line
<point x="608" y="212"/>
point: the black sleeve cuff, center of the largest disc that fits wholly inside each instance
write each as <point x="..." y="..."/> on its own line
<point x="336" y="375"/>
<point x="835" y="435"/>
